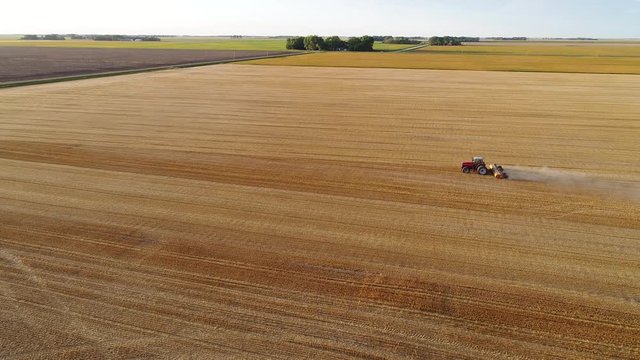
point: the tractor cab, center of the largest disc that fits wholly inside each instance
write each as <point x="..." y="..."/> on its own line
<point x="478" y="160"/>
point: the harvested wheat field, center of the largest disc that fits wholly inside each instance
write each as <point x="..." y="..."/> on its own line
<point x="241" y="211"/>
<point x="621" y="59"/>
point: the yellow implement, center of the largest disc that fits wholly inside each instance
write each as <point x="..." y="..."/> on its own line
<point x="498" y="171"/>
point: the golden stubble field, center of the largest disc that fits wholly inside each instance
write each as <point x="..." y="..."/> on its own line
<point x="261" y="211"/>
<point x="545" y="56"/>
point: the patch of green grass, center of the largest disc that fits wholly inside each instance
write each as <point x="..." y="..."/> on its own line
<point x="181" y="43"/>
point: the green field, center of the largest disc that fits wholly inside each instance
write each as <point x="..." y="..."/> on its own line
<point x="181" y="43"/>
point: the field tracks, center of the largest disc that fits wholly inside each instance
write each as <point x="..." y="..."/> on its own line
<point x="315" y="212"/>
<point x="413" y="48"/>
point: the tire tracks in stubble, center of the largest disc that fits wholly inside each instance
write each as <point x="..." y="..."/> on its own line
<point x="466" y="300"/>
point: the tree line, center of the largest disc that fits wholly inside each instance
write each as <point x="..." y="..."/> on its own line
<point x="451" y="40"/>
<point x="121" y="38"/>
<point x="43" y="37"/>
<point x="92" y="37"/>
<point x="365" y="43"/>
<point x="571" y="38"/>
<point x="331" y="43"/>
<point x="400" y="40"/>
<point x="515" y="38"/>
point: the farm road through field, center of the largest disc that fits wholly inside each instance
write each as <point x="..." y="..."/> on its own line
<point x="264" y="211"/>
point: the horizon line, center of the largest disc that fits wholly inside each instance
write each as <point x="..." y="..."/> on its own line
<point x="290" y="35"/>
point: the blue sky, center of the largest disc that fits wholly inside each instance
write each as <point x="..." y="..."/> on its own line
<point x="541" y="18"/>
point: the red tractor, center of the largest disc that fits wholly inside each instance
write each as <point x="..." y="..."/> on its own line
<point x="478" y="165"/>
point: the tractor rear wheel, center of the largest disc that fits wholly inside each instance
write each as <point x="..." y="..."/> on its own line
<point x="482" y="170"/>
<point x="466" y="170"/>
